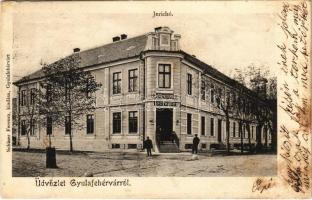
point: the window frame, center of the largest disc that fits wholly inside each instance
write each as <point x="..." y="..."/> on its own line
<point x="203" y="125"/>
<point x="219" y="98"/>
<point x="234" y="129"/>
<point x="212" y="131"/>
<point x="189" y="124"/>
<point x="131" y="121"/>
<point x="165" y="75"/>
<point x="133" y="79"/>
<point x="189" y="83"/>
<point x="203" y="90"/>
<point x="90" y="124"/>
<point x="48" y="93"/>
<point x="67" y="125"/>
<point x="32" y="126"/>
<point x="32" y="96"/>
<point x="212" y="94"/>
<point x="23" y="128"/>
<point x="113" y="123"/>
<point x="49" y="128"/>
<point x="23" y="98"/>
<point x="88" y="93"/>
<point x="117" y="80"/>
<point x="162" y="39"/>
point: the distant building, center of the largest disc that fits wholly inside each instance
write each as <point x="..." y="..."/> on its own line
<point x="14" y="121"/>
<point x="150" y="87"/>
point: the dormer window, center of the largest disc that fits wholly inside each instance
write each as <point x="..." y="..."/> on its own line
<point x="164" y="39"/>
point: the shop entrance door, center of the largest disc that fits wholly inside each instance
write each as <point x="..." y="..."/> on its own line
<point x="163" y="125"/>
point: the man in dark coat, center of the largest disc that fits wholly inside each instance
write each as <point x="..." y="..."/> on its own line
<point x="195" y="144"/>
<point x="148" y="145"/>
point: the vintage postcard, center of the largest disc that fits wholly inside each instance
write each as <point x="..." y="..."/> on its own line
<point x="158" y="99"/>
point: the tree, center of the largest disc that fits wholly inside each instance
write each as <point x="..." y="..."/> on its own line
<point x="259" y="80"/>
<point x="28" y="111"/>
<point x="225" y="104"/>
<point x="69" y="94"/>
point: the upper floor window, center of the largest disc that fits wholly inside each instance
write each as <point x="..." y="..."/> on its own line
<point x="164" y="76"/>
<point x="90" y="124"/>
<point x="133" y="122"/>
<point x="23" y="98"/>
<point x="189" y="84"/>
<point x="88" y="88"/>
<point x="32" y="96"/>
<point x="117" y="122"/>
<point x="67" y="91"/>
<point x="212" y="94"/>
<point x="233" y="99"/>
<point x="116" y="82"/>
<point x="219" y="96"/>
<point x="49" y="93"/>
<point x="133" y="77"/>
<point x="203" y="90"/>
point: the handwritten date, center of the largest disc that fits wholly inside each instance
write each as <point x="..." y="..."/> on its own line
<point x="262" y="184"/>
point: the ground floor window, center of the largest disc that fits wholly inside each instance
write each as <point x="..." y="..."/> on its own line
<point x="203" y="125"/>
<point x="133" y="122"/>
<point x="132" y="146"/>
<point x="245" y="131"/>
<point x="90" y="124"/>
<point x="49" y="125"/>
<point x="252" y="131"/>
<point x="234" y="131"/>
<point x="32" y="127"/>
<point x="189" y="124"/>
<point x="67" y="125"/>
<point x="23" y="127"/>
<point x="211" y="127"/>
<point x="117" y="122"/>
<point x="188" y="146"/>
<point x="116" y="146"/>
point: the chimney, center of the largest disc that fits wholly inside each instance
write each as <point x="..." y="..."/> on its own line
<point x="76" y="50"/>
<point x="123" y="36"/>
<point x="177" y="36"/>
<point x="157" y="28"/>
<point x="115" y="39"/>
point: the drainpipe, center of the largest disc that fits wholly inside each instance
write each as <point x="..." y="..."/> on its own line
<point x="144" y="94"/>
<point x="18" y="118"/>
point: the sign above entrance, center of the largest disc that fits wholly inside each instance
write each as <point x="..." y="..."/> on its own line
<point x="165" y="103"/>
<point x="164" y="96"/>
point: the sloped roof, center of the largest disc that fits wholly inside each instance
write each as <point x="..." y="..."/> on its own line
<point x="208" y="69"/>
<point x="133" y="47"/>
<point x="110" y="52"/>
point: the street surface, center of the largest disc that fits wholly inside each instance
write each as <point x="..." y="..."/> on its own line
<point x="136" y="164"/>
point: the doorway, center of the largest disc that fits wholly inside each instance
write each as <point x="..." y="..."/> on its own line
<point x="163" y="124"/>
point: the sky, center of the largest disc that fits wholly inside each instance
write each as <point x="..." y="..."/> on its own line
<point x="226" y="35"/>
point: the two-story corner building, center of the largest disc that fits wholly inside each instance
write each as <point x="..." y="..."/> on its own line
<point x="150" y="87"/>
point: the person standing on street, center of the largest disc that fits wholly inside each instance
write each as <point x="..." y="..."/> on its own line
<point x="195" y="144"/>
<point x="148" y="144"/>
